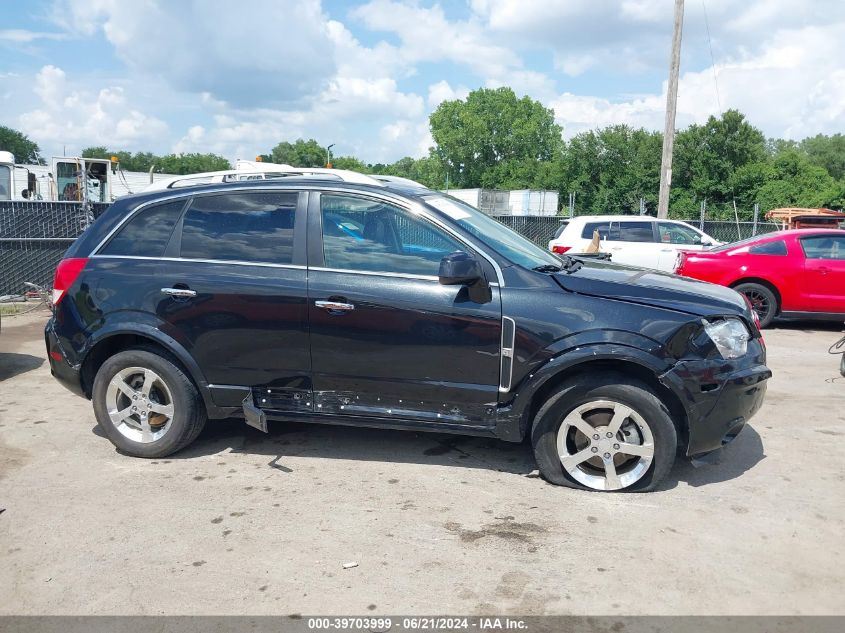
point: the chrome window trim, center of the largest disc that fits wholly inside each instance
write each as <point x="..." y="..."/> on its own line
<point x="183" y="194"/>
<point x="373" y="273"/>
<point x="202" y="261"/>
<point x="417" y="208"/>
<point x="507" y="348"/>
<point x="413" y="206"/>
<point x="270" y="265"/>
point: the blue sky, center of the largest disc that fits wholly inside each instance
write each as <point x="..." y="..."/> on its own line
<point x="200" y="75"/>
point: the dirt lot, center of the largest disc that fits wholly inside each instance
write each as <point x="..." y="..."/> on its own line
<point x="247" y="523"/>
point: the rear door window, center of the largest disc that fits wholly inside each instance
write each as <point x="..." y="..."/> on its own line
<point x="245" y="227"/>
<point x="632" y="231"/>
<point x="146" y="234"/>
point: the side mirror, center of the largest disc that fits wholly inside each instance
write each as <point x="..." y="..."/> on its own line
<point x="460" y="268"/>
<point x="705" y="241"/>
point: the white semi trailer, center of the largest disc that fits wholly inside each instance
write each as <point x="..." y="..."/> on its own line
<point x="70" y="179"/>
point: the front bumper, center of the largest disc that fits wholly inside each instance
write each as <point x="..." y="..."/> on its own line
<point x="61" y="368"/>
<point x="720" y="397"/>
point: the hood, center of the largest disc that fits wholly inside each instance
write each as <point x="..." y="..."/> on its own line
<point x="652" y="287"/>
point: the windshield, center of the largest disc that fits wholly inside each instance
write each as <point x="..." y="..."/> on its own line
<point x="507" y="242"/>
<point x="5" y="183"/>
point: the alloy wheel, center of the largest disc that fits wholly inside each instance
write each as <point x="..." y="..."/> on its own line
<point x="605" y="445"/>
<point x="759" y="303"/>
<point x="139" y="404"/>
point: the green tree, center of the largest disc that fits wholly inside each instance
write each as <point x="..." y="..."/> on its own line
<point x="792" y="180"/>
<point x="351" y="163"/>
<point x="191" y="163"/>
<point x="169" y="164"/>
<point x="490" y="127"/>
<point x="427" y="170"/>
<point x="141" y="161"/>
<point x="707" y="156"/>
<point x="826" y="151"/>
<point x="609" y="170"/>
<point x="299" y="154"/>
<point x="25" y="151"/>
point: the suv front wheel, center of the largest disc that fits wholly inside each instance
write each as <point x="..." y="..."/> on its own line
<point x="604" y="432"/>
<point x="146" y="405"/>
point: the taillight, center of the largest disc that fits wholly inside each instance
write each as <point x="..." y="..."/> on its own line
<point x="66" y="273"/>
<point x="560" y="250"/>
<point x="680" y="261"/>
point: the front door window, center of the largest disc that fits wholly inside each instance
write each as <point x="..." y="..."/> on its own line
<point x="367" y="235"/>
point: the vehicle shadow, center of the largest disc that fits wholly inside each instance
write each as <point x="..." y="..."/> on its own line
<point x="806" y="326"/>
<point x="740" y="456"/>
<point x="289" y="439"/>
<point x="286" y="440"/>
<point x="12" y="364"/>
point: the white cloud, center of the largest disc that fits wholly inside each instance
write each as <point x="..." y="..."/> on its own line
<point x="426" y="35"/>
<point x="268" y="52"/>
<point x="79" y="118"/>
<point x="236" y="82"/>
<point x="442" y="91"/>
<point x="789" y="89"/>
<point x="24" y="36"/>
<point x="337" y="116"/>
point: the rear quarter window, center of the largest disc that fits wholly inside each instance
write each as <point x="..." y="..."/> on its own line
<point x="778" y="247"/>
<point x="561" y="229"/>
<point x="147" y="233"/>
<point x="590" y="227"/>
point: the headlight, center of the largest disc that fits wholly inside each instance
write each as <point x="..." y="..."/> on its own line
<point x="730" y="336"/>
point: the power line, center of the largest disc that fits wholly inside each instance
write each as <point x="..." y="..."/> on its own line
<point x="712" y="58"/>
<point x="719" y="102"/>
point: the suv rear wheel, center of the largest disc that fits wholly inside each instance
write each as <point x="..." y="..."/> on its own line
<point x="604" y="432"/>
<point x="146" y="405"/>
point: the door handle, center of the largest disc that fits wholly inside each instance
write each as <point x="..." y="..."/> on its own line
<point x="182" y="293"/>
<point x="334" y="306"/>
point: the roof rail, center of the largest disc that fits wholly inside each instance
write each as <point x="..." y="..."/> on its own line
<point x="252" y="170"/>
<point x="399" y="180"/>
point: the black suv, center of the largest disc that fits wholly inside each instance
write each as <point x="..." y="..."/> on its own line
<point x="399" y="307"/>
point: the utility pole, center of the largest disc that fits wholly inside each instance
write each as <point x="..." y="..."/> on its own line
<point x="329" y="156"/>
<point x="671" y="107"/>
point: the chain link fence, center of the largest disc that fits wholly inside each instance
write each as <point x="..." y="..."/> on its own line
<point x="33" y="238"/>
<point x="541" y="229"/>
<point x="35" y="235"/>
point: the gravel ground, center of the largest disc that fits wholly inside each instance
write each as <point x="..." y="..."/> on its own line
<point x="243" y="522"/>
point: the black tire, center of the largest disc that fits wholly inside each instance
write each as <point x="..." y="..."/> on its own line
<point x="616" y="387"/>
<point x="763" y="301"/>
<point x="189" y="414"/>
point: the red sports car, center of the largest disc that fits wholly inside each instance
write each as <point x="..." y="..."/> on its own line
<point x="798" y="273"/>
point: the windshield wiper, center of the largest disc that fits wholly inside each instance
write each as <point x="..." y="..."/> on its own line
<point x="570" y="265"/>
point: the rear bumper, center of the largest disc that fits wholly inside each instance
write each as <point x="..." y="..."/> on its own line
<point x="60" y="367"/>
<point x="721" y="398"/>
